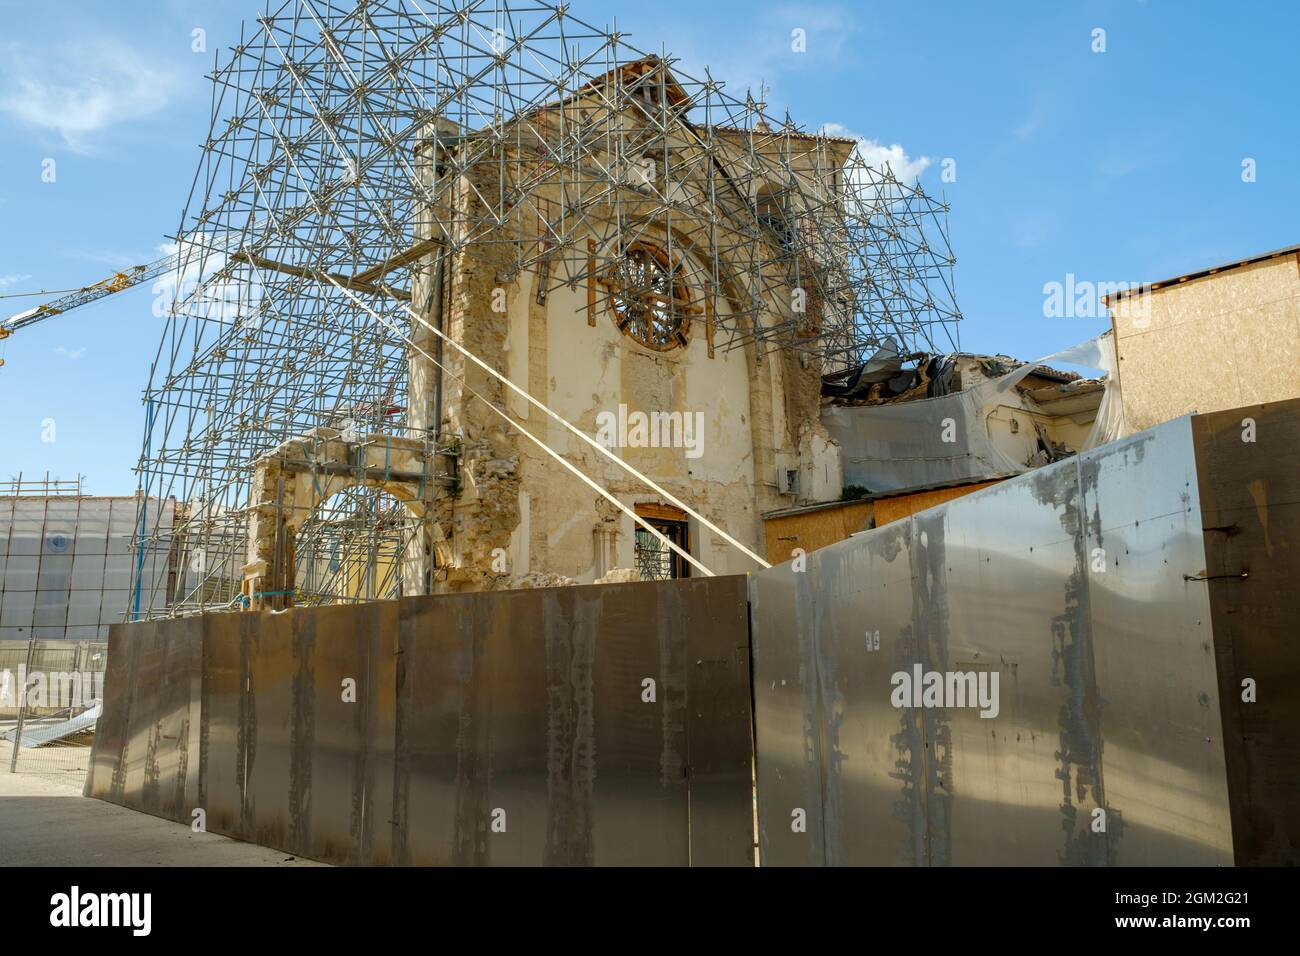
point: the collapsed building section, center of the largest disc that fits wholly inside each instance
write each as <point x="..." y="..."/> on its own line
<point x="476" y="296"/>
<point x="958" y="418"/>
<point x="914" y="431"/>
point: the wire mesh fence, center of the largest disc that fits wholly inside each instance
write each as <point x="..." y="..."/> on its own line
<point x="51" y="693"/>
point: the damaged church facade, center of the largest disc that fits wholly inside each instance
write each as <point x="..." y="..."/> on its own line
<point x="522" y="318"/>
<point x="621" y="341"/>
<point x="567" y="324"/>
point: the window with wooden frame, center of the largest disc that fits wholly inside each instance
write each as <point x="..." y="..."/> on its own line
<point x="655" y="561"/>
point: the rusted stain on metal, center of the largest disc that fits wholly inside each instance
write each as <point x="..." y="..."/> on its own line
<point x="1006" y="581"/>
<point x="1081" y="742"/>
<point x="303" y="730"/>
<point x="470" y="711"/>
<point x="570" y="729"/>
<point x="930" y="617"/>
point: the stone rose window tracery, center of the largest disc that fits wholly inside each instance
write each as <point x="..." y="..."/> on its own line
<point x="650" y="297"/>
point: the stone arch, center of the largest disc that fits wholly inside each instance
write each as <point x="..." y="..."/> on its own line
<point x="353" y="547"/>
<point x="293" y="480"/>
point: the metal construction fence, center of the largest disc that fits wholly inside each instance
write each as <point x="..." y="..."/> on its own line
<point x="605" y="725"/>
<point x="1091" y="664"/>
<point x="51" y="696"/>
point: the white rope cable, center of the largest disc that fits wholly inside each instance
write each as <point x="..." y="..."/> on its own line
<point x="576" y="431"/>
<point x="511" y="385"/>
<point x="537" y="441"/>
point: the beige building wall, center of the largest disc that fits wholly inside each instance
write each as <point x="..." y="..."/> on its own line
<point x="760" y="412"/>
<point x="551" y="523"/>
<point x="580" y="371"/>
<point x="1210" y="342"/>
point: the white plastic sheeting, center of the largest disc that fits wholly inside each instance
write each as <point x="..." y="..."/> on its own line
<point x="67" y="565"/>
<point x="941" y="441"/>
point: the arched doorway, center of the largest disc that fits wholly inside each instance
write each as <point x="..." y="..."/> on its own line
<point x="352" y="548"/>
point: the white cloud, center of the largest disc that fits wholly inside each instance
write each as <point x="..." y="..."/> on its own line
<point x="879" y="156"/>
<point x="113" y="259"/>
<point x="81" y="89"/>
<point x="828" y="27"/>
<point x="12" y="279"/>
<point x="73" y="354"/>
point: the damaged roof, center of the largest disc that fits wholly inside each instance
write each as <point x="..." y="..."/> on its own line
<point x="883" y="380"/>
<point x="1067" y="398"/>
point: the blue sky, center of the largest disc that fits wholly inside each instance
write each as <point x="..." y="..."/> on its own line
<point x="1117" y="166"/>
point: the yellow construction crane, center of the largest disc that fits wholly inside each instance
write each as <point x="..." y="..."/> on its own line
<point x="367" y="281"/>
<point x="117" y="282"/>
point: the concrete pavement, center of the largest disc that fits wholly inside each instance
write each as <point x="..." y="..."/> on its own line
<point x="45" y="821"/>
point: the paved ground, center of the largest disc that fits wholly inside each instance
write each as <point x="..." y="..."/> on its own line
<point x="45" y="821"/>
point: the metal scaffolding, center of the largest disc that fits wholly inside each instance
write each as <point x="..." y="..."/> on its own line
<point x="356" y="149"/>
